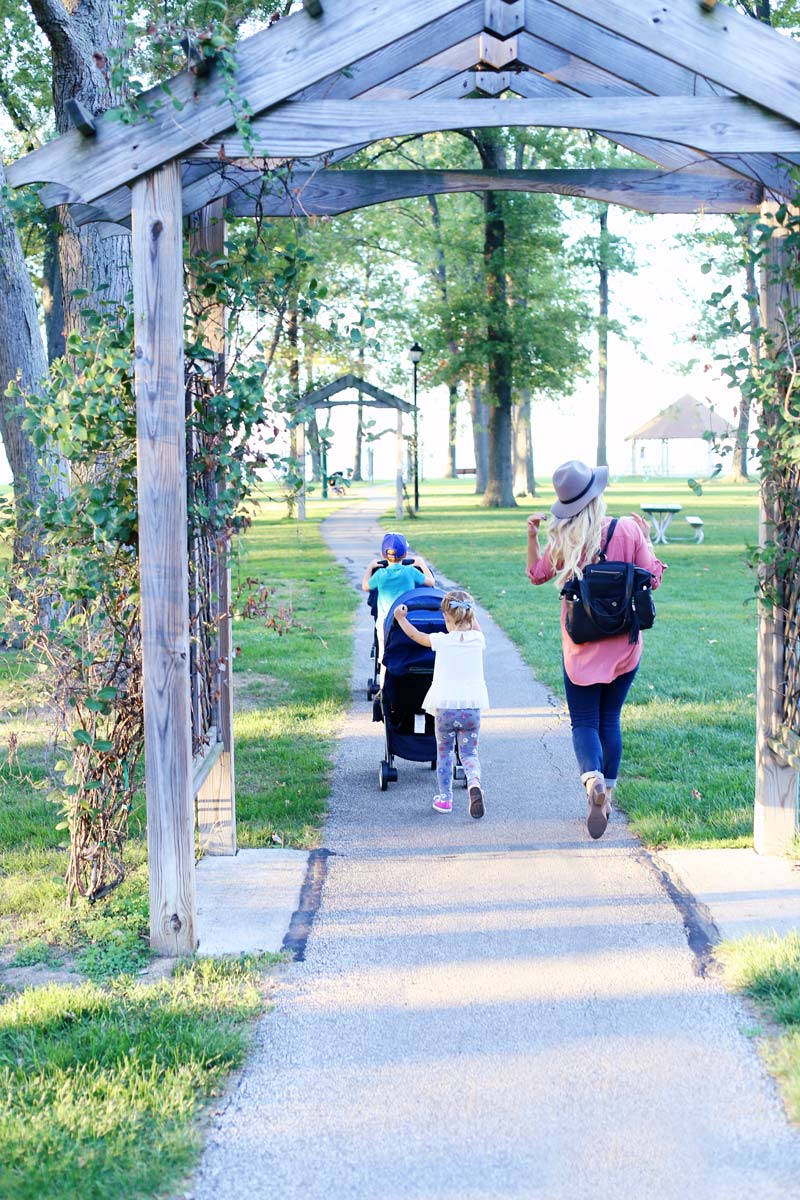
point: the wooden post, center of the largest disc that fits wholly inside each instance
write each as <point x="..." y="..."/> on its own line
<point x="157" y="226"/>
<point x="398" y="505"/>
<point x="775" y="816"/>
<point x="216" y="798"/>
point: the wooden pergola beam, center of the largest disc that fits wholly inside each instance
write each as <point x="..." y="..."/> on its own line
<point x="328" y="193"/>
<point x="298" y="130"/>
<point x="722" y="45"/>
<point x="300" y="51"/>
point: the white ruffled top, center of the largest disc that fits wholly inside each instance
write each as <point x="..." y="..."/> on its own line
<point x="457" y="672"/>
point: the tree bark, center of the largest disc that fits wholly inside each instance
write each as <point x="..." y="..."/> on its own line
<point x="452" y="432"/>
<point x="524" y="481"/>
<point x="479" y="412"/>
<point x="441" y="280"/>
<point x="602" y="338"/>
<point x="499" y="484"/>
<point x="79" y="33"/>
<point x="22" y="358"/>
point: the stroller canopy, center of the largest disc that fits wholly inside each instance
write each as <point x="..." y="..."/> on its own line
<point x="400" y="654"/>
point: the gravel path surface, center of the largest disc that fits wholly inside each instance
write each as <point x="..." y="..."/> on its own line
<point x="497" y="1008"/>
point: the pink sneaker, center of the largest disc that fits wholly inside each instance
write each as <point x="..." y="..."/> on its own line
<point x="442" y="804"/>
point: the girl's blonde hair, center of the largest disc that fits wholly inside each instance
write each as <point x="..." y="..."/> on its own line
<point x="575" y="541"/>
<point x="460" y="607"/>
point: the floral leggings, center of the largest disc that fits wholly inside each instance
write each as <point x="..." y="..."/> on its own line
<point x="463" y="725"/>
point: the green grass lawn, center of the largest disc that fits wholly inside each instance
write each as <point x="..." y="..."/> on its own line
<point x="689" y="725"/>
<point x="102" y="1072"/>
<point x="767" y="969"/>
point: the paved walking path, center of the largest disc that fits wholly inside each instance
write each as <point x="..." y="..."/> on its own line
<point x="496" y="1008"/>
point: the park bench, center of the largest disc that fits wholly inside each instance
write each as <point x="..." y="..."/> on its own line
<point x="697" y="528"/>
<point x="465" y="470"/>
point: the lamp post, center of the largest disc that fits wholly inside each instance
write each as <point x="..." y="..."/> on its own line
<point x="415" y="354"/>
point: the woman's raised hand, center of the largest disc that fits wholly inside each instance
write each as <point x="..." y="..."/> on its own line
<point x="534" y="521"/>
<point x="642" y="522"/>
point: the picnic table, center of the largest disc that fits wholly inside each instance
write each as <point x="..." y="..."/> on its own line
<point x="660" y="515"/>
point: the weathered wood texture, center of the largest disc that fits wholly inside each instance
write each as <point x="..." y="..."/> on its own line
<point x="775" y="815"/>
<point x="163" y="556"/>
<point x="595" y="62"/>
<point x="302" y="129"/>
<point x="300" y="52"/>
<point x="326" y="193"/>
<point x="216" y="796"/>
<point x="725" y="46"/>
<point x="378" y="397"/>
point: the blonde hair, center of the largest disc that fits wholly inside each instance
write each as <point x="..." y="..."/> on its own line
<point x="459" y="606"/>
<point x="575" y="541"/>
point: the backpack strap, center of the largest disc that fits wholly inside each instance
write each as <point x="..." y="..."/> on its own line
<point x="612" y="526"/>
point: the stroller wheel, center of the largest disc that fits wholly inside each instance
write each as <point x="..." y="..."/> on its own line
<point x="384" y="776"/>
<point x="372" y="689"/>
<point x="459" y="774"/>
<point x="392" y="774"/>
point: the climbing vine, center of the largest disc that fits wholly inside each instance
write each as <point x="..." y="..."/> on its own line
<point x="80" y="615"/>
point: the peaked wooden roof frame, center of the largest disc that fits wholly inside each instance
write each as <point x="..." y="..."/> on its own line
<point x="357" y="73"/>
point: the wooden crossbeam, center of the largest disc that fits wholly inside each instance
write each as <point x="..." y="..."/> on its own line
<point x="299" y="52"/>
<point x="329" y="193"/>
<point x="298" y="130"/>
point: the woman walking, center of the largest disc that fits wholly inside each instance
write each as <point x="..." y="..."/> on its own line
<point x="597" y="675"/>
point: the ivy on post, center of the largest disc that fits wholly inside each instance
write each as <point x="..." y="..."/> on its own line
<point x="216" y="797"/>
<point x="777" y="738"/>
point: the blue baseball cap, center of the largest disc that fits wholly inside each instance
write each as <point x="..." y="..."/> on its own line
<point x="394" y="543"/>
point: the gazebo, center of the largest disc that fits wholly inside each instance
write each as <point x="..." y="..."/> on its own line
<point x="686" y="419"/>
<point x="370" y="395"/>
<point x="706" y="94"/>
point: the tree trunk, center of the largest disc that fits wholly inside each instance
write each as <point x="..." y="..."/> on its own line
<point x="52" y="292"/>
<point x="499" y="484"/>
<point x="79" y="32"/>
<point x="739" y="473"/>
<point x="452" y="432"/>
<point x="479" y="412"/>
<point x="524" y="481"/>
<point x="441" y="280"/>
<point x="602" y="339"/>
<point x="22" y="357"/>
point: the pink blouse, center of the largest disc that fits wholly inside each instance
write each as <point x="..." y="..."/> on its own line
<point x="600" y="662"/>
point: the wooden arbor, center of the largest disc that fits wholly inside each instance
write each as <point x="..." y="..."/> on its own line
<point x="707" y="95"/>
<point x="377" y="398"/>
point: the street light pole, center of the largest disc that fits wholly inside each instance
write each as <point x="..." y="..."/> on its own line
<point x="415" y="354"/>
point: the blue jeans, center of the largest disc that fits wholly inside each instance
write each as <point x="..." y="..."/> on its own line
<point x="594" y="711"/>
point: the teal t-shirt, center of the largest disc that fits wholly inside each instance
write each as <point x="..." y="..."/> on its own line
<point x="390" y="582"/>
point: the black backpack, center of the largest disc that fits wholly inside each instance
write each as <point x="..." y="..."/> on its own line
<point x="611" y="598"/>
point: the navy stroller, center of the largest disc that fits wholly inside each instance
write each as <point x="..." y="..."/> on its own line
<point x="409" y="672"/>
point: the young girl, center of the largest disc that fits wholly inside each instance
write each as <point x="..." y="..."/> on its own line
<point x="456" y="696"/>
<point x="597" y="675"/>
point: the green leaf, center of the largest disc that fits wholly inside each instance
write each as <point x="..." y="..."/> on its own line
<point x="82" y="736"/>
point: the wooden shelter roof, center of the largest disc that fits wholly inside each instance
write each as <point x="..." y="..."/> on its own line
<point x="685" y="418"/>
<point x="360" y="71"/>
<point x="377" y="397"/>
